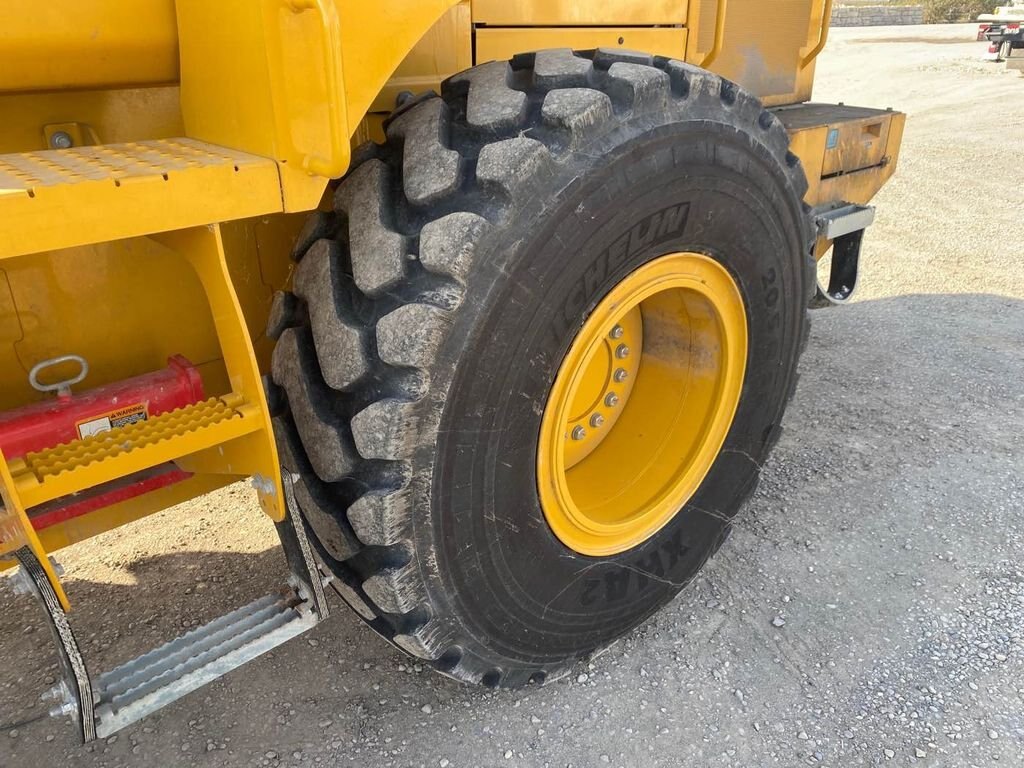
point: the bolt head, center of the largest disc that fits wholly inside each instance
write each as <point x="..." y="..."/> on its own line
<point x="617" y="332"/>
<point x="596" y="420"/>
<point x="620" y="375"/>
<point x="611" y="400"/>
<point x="622" y="351"/>
<point x="61" y="140"/>
<point x="578" y="433"/>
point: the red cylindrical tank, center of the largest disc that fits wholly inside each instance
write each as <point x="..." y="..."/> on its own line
<point x="74" y="416"/>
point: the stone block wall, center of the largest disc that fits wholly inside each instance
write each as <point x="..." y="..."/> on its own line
<point x="876" y="15"/>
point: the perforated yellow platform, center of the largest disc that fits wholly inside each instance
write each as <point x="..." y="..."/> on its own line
<point x="62" y="198"/>
<point x="73" y="467"/>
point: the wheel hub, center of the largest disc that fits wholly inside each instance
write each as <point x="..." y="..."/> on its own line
<point x="642" y="404"/>
<point x="604" y="388"/>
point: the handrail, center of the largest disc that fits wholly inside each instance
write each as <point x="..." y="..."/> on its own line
<point x="716" y="49"/>
<point x="336" y="162"/>
<point x="826" y="24"/>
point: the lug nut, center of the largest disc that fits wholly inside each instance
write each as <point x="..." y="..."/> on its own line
<point x="596" y="420"/>
<point x="579" y="433"/>
<point x="620" y="375"/>
<point x="611" y="400"/>
<point x="622" y="351"/>
<point x="617" y="332"/>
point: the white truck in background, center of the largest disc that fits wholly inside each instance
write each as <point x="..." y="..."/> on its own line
<point x="1004" y="33"/>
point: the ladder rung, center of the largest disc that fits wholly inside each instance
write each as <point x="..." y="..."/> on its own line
<point x="167" y="673"/>
<point x="73" y="467"/>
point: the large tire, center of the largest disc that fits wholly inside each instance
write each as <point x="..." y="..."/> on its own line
<point x="431" y="310"/>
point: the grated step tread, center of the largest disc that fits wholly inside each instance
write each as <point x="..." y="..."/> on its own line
<point x="147" y="683"/>
<point x="115" y="162"/>
<point x="79" y="453"/>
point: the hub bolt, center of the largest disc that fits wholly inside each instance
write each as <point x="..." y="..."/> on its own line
<point x="622" y="351"/>
<point x="578" y="433"/>
<point x="620" y="375"/>
<point x="617" y="332"/>
<point x="611" y="400"/>
<point x="596" y="420"/>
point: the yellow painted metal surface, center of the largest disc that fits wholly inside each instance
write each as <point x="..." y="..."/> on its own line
<point x="292" y="79"/>
<point x="254" y="453"/>
<point x="568" y="13"/>
<point x="764" y="44"/>
<point x="376" y="37"/>
<point x="721" y="14"/>
<point x="848" y="153"/>
<point x="73" y="467"/>
<point x="503" y="43"/>
<point x="604" y="386"/>
<point x="107" y="518"/>
<point x="104" y="116"/>
<point x="654" y="455"/>
<point x="446" y="49"/>
<point x="16" y="531"/>
<point x="111" y="192"/>
<point x="826" y="22"/>
<point x="62" y="45"/>
<point x="126" y="307"/>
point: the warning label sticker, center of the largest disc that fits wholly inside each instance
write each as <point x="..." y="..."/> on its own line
<point x="122" y="417"/>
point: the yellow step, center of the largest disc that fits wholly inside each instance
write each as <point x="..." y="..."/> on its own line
<point x="75" y="466"/>
<point x="66" y="197"/>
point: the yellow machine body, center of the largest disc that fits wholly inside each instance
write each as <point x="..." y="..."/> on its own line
<point x="157" y="159"/>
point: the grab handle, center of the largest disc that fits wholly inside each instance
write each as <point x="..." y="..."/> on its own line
<point x="826" y="24"/>
<point x="719" y="34"/>
<point x="62" y="388"/>
<point x="336" y="161"/>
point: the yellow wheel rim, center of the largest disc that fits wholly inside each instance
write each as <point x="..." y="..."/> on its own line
<point x="642" y="404"/>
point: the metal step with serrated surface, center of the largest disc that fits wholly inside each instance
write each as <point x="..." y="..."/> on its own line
<point x="107" y="192"/>
<point x="151" y="681"/>
<point x="72" y="467"/>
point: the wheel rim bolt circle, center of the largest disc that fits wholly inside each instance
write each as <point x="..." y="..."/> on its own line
<point x="579" y="433"/>
<point x="620" y="375"/>
<point x="617" y="332"/>
<point x="611" y="400"/>
<point x="596" y="420"/>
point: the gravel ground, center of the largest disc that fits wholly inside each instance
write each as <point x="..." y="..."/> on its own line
<point x="868" y="609"/>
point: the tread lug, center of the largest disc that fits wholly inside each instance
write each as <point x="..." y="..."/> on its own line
<point x="282" y="313"/>
<point x="331" y="461"/>
<point x="430" y="169"/>
<point x="447" y="245"/>
<point x="645" y="87"/>
<point x="381" y="430"/>
<point x="581" y="111"/>
<point x="511" y="163"/>
<point x="378" y="253"/>
<point x="395" y="590"/>
<point x="491" y="103"/>
<point x="561" y="68"/>
<point x="380" y="518"/>
<point x="339" y="346"/>
<point x="411" y="335"/>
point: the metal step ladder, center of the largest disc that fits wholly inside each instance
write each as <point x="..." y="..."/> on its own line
<point x="107" y="703"/>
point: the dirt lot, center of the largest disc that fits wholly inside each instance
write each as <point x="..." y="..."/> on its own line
<point x="888" y="534"/>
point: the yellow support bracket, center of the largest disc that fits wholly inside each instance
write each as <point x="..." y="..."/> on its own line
<point x="256" y="453"/>
<point x="16" y="531"/>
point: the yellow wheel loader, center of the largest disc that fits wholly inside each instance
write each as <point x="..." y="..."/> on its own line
<point x="498" y="303"/>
